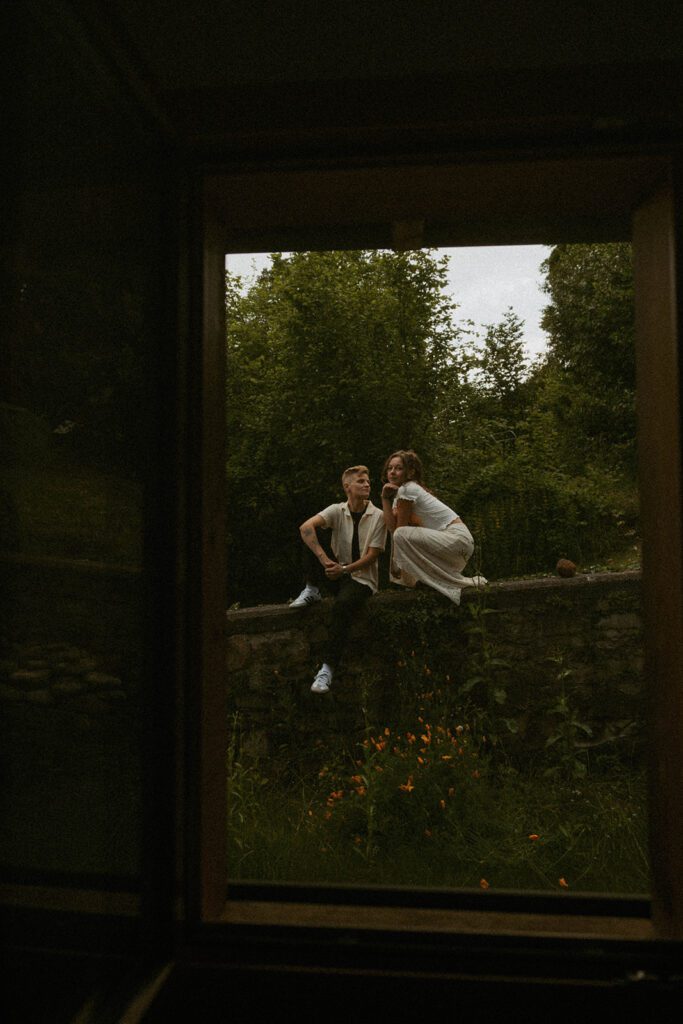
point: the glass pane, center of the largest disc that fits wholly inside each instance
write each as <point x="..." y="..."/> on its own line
<point x="489" y="742"/>
<point x="74" y="447"/>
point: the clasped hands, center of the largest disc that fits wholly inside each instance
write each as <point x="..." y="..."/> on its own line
<point x="333" y="570"/>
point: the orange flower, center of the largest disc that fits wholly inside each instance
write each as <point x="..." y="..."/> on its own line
<point x="533" y="837"/>
<point x="442" y="805"/>
<point x="408" y="786"/>
<point x="564" y="883"/>
<point x="428" y="833"/>
<point x="357" y="840"/>
<point x="356" y="778"/>
<point x="426" y="738"/>
<point x="451" y="792"/>
<point x="483" y="884"/>
<point x="476" y="774"/>
<point x="410" y="737"/>
<point x="361" y="791"/>
<point x="387" y="732"/>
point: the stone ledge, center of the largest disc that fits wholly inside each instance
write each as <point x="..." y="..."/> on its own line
<point x="266" y="617"/>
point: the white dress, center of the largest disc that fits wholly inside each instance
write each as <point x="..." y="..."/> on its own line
<point x="436" y="552"/>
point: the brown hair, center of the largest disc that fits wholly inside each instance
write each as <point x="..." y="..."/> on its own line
<point x="353" y="471"/>
<point x="411" y="464"/>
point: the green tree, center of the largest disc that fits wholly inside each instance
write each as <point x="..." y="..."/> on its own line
<point x="590" y="324"/>
<point x="504" y="367"/>
<point x="334" y="358"/>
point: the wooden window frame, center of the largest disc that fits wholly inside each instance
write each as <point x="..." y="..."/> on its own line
<point x="506" y="202"/>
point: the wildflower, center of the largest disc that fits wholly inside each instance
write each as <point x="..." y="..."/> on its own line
<point x="310" y="814"/>
<point x="442" y="805"/>
<point x="446" y="757"/>
<point x="408" y="786"/>
<point x="476" y="774"/>
<point x="357" y="840"/>
<point x="410" y="737"/>
<point x="427" y="671"/>
<point x="420" y="760"/>
<point x="428" y="833"/>
<point x="328" y="815"/>
<point x="564" y="883"/>
<point x="459" y="729"/>
<point x="451" y="791"/>
<point x="361" y="790"/>
<point x="533" y="837"/>
<point x="483" y="884"/>
<point x="426" y="738"/>
<point x="387" y="732"/>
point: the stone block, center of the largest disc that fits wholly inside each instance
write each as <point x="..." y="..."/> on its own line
<point x="101" y="681"/>
<point x="30" y="679"/>
<point x="237" y="653"/>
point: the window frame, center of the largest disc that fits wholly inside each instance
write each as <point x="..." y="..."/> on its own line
<point x="373" y="207"/>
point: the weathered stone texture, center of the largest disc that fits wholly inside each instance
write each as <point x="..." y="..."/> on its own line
<point x="585" y="631"/>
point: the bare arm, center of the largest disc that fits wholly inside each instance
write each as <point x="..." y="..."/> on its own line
<point x="308" y="536"/>
<point x="404" y="512"/>
<point x="401" y="514"/>
<point x="388" y="495"/>
<point x="333" y="571"/>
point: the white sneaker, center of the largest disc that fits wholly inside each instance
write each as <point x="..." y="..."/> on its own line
<point x="323" y="680"/>
<point x="309" y="595"/>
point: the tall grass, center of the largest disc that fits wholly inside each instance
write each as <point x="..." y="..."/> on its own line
<point x="429" y="799"/>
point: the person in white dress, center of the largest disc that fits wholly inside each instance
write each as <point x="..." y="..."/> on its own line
<point x="430" y="542"/>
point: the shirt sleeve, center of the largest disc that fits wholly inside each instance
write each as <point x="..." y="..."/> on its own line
<point x="407" y="492"/>
<point x="377" y="538"/>
<point x="331" y="516"/>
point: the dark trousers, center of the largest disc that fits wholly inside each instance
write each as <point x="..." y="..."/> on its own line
<point x="349" y="597"/>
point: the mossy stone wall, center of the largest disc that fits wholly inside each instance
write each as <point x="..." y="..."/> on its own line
<point x="533" y="640"/>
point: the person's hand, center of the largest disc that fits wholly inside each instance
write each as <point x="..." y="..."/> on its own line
<point x="326" y="562"/>
<point x="389" y="491"/>
<point x="333" y="571"/>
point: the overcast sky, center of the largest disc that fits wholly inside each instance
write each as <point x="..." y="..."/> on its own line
<point x="484" y="280"/>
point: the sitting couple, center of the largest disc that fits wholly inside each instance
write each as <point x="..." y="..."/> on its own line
<point x="430" y="544"/>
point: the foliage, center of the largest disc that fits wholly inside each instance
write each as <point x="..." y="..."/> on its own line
<point x="334" y="359"/>
<point x="425" y="797"/>
<point x="342" y="357"/>
<point x="590" y="376"/>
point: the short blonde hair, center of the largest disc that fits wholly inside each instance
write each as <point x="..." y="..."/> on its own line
<point x="353" y="471"/>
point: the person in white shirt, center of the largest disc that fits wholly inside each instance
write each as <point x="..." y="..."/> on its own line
<point x="347" y="561"/>
<point x="430" y="542"/>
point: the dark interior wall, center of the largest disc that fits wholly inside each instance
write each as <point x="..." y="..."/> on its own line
<point x="99" y="110"/>
<point x="89" y="249"/>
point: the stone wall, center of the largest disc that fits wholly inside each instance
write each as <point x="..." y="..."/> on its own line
<point x="533" y="640"/>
